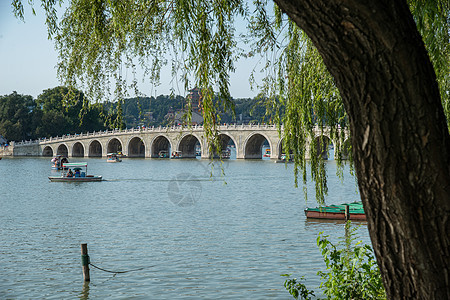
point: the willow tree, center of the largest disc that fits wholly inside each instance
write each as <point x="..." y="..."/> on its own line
<point x="378" y="62"/>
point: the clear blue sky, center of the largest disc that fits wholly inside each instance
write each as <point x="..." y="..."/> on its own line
<point x="28" y="59"/>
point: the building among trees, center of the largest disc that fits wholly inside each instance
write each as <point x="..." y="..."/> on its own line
<point x="196" y="118"/>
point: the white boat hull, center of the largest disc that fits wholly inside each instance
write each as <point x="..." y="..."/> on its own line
<point x="75" y="179"/>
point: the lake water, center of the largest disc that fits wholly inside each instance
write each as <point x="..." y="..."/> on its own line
<point x="194" y="236"/>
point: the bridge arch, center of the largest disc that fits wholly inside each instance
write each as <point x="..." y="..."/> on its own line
<point x="224" y="141"/>
<point x="253" y="145"/>
<point x="136" y="147"/>
<point x="114" y="145"/>
<point x="187" y="145"/>
<point x="158" y="144"/>
<point x="78" y="150"/>
<point x="95" y="149"/>
<point x="48" y="151"/>
<point x="320" y="146"/>
<point x="63" y="150"/>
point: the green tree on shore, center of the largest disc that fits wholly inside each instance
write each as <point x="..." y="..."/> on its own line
<point x="66" y="111"/>
<point x="51" y="114"/>
<point x="16" y="117"/>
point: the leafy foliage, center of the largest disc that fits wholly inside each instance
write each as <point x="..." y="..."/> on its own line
<point x="51" y="114"/>
<point x="299" y="83"/>
<point x="433" y="21"/>
<point x="67" y="110"/>
<point x="297" y="288"/>
<point x="16" y="117"/>
<point x="351" y="271"/>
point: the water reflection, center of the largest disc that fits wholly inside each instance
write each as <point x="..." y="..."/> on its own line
<point x="84" y="295"/>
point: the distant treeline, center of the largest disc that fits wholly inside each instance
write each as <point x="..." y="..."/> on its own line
<point x="60" y="111"/>
<point x="151" y="111"/>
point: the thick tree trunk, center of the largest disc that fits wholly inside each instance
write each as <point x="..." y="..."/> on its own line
<point x="400" y="138"/>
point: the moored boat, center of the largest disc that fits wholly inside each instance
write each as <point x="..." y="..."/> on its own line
<point x="120" y="154"/>
<point x="226" y="154"/>
<point x="355" y="211"/>
<point x="80" y="174"/>
<point x="177" y="154"/>
<point x="283" y="159"/>
<point x="58" y="162"/>
<point x="163" y="154"/>
<point x="198" y="150"/>
<point x="113" y="157"/>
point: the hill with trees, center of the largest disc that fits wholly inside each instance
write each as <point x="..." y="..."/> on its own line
<point x="58" y="111"/>
<point x="151" y="111"/>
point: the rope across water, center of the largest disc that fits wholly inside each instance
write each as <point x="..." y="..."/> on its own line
<point x="86" y="260"/>
<point x="116" y="272"/>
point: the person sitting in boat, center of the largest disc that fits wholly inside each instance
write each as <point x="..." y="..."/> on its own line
<point x="69" y="174"/>
<point x="77" y="173"/>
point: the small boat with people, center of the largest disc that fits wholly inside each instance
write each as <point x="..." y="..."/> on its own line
<point x="58" y="162"/>
<point x="267" y="153"/>
<point x="163" y="154"/>
<point x="283" y="159"/>
<point x="198" y="150"/>
<point x="177" y="154"/>
<point x="345" y="211"/>
<point x="226" y="154"/>
<point x="78" y="174"/>
<point x="113" y="158"/>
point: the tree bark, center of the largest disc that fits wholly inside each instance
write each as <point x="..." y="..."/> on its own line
<point x="400" y="139"/>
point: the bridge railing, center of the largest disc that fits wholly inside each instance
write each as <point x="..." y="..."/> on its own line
<point x="143" y="129"/>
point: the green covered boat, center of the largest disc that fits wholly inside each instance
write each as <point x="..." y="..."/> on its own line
<point x="338" y="212"/>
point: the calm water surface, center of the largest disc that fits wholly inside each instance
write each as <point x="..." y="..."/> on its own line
<point x="195" y="236"/>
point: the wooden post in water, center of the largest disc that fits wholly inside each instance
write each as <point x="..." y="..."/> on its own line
<point x="347" y="212"/>
<point x="85" y="262"/>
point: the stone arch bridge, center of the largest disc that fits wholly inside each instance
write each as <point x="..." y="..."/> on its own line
<point x="150" y="142"/>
